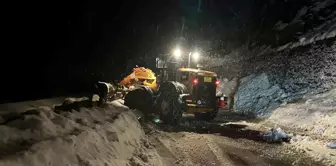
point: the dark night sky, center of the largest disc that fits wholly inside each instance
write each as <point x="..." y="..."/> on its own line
<point x="61" y="47"/>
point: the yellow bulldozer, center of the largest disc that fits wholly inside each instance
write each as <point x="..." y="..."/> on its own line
<point x="182" y="90"/>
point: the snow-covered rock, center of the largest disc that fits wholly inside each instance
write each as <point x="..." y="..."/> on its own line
<point x="257" y="95"/>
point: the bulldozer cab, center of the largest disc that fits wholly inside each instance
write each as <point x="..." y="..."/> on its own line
<point x="186" y="78"/>
<point x="166" y="70"/>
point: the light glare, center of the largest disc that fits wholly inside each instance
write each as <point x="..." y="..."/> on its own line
<point x="196" y="56"/>
<point x="177" y="53"/>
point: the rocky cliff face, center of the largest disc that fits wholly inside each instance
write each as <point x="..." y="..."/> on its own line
<point x="258" y="95"/>
<point x="301" y="60"/>
<point x="272" y="79"/>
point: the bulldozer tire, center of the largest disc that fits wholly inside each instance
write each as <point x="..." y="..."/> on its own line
<point x="208" y="116"/>
<point x="168" y="104"/>
<point x="170" y="110"/>
<point x="139" y="99"/>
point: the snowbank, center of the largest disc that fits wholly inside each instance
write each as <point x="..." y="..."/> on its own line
<point x="313" y="122"/>
<point x="315" y="115"/>
<point x="89" y="136"/>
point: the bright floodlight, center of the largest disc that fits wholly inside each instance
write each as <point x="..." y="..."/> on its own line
<point x="177" y="53"/>
<point x="196" y="56"/>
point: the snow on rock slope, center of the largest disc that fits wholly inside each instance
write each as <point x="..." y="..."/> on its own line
<point x="320" y="17"/>
<point x="89" y="136"/>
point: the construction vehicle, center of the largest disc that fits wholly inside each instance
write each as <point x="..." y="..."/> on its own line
<point x="177" y="91"/>
<point x="140" y="76"/>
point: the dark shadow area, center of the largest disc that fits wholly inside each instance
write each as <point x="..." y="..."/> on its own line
<point x="229" y="116"/>
<point x="220" y="127"/>
<point x="237" y="159"/>
<point x="15" y="147"/>
<point x="69" y="105"/>
<point x="12" y="116"/>
<point x="234" y="131"/>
